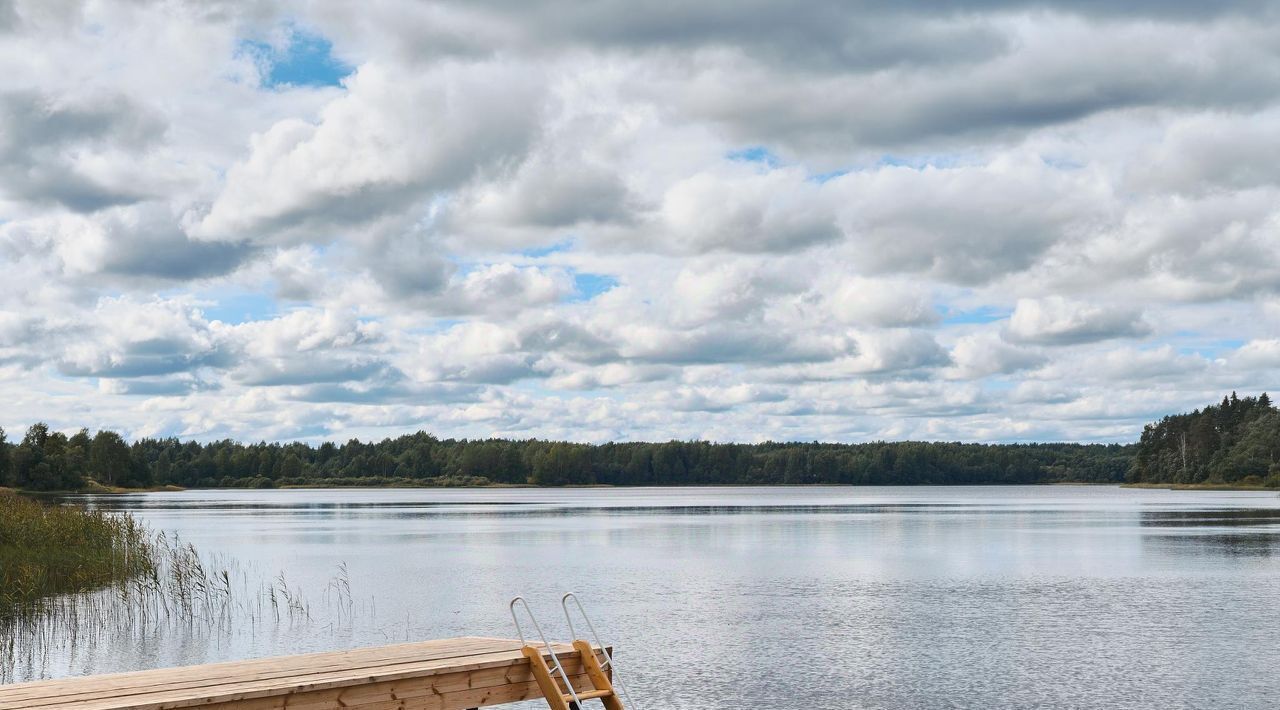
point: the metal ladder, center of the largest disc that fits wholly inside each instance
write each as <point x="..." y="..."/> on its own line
<point x="568" y="698"/>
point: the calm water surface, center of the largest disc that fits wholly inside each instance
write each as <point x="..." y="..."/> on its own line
<point x="828" y="597"/>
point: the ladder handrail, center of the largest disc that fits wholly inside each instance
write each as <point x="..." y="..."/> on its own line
<point x="554" y="658"/>
<point x="595" y="636"/>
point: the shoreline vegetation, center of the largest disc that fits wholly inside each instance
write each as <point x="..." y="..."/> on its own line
<point x="47" y="550"/>
<point x="1233" y="444"/>
<point x="46" y="460"/>
<point x="70" y="576"/>
<point x="1201" y="486"/>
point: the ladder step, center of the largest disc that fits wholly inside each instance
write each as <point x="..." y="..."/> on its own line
<point x="590" y="695"/>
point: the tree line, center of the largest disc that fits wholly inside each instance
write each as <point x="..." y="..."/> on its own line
<point x="1236" y="441"/>
<point x="50" y="460"/>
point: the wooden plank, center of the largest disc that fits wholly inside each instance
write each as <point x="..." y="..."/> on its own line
<point x="598" y="678"/>
<point x="276" y="667"/>
<point x="547" y="685"/>
<point x="161" y="698"/>
<point x="228" y="688"/>
<point x="216" y="674"/>
<point x="357" y="696"/>
<point x="167" y="698"/>
<point x="459" y="699"/>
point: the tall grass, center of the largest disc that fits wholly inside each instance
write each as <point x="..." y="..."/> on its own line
<point x="74" y="577"/>
<point x="47" y="550"/>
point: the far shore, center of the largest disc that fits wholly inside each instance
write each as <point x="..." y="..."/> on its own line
<point x="1200" y="486"/>
<point x="96" y="488"/>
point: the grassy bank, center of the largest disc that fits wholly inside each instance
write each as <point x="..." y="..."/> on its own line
<point x="46" y="550"/>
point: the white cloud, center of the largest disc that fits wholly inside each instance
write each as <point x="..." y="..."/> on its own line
<point x="659" y="221"/>
<point x="138" y="339"/>
<point x="1057" y="321"/>
<point x="1212" y="152"/>
<point x="880" y="302"/>
<point x="745" y="210"/>
<point x="1259" y="354"/>
<point x="983" y="354"/>
<point x="966" y="224"/>
<point x="393" y="137"/>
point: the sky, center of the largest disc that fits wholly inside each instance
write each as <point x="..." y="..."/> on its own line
<point x="984" y="221"/>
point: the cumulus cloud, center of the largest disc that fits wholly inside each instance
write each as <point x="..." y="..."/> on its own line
<point x="474" y="352"/>
<point x="988" y="220"/>
<point x="135" y="339"/>
<point x="707" y="291"/>
<point x="1262" y="353"/>
<point x="875" y="354"/>
<point x="307" y="347"/>
<point x="177" y="385"/>
<point x="1059" y="69"/>
<point x="746" y="211"/>
<point x="136" y="242"/>
<point x="1148" y="365"/>
<point x="712" y="399"/>
<point x="966" y="224"/>
<point x="392" y="138"/>
<point x="983" y="354"/>
<point x="1057" y="321"/>
<point x="72" y="152"/>
<point x="614" y="374"/>
<point x="1213" y="152"/>
<point x="556" y="186"/>
<point x="880" y="302"/>
<point x="728" y="343"/>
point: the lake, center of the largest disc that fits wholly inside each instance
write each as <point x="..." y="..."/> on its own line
<point x="815" y="597"/>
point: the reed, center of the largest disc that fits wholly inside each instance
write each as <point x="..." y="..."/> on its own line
<point x="46" y="550"/>
<point x="74" y="577"/>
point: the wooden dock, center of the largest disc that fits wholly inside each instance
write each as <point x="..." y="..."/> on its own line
<point x="450" y="674"/>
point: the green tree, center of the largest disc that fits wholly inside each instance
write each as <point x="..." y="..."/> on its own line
<point x="562" y="464"/>
<point x="291" y="466"/>
<point x="6" y="462"/>
<point x="109" y="458"/>
<point x="37" y="435"/>
<point x="163" y="470"/>
<point x="1255" y="453"/>
<point x="80" y="440"/>
<point x="29" y="467"/>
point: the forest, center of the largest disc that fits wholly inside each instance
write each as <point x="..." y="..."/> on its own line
<point x="50" y="460"/>
<point x="1234" y="442"/>
<point x="1237" y="441"/>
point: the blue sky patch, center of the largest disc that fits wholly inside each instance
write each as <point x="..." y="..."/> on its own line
<point x="588" y="286"/>
<point x="755" y="154"/>
<point x="998" y="384"/>
<point x="929" y="160"/>
<point x="915" y="162"/>
<point x="307" y="60"/>
<point x="831" y="175"/>
<point x="981" y="314"/>
<point x="1210" y="349"/>
<point x="557" y="248"/>
<point x="1061" y="163"/>
<point x="240" y="307"/>
<point x="439" y="325"/>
